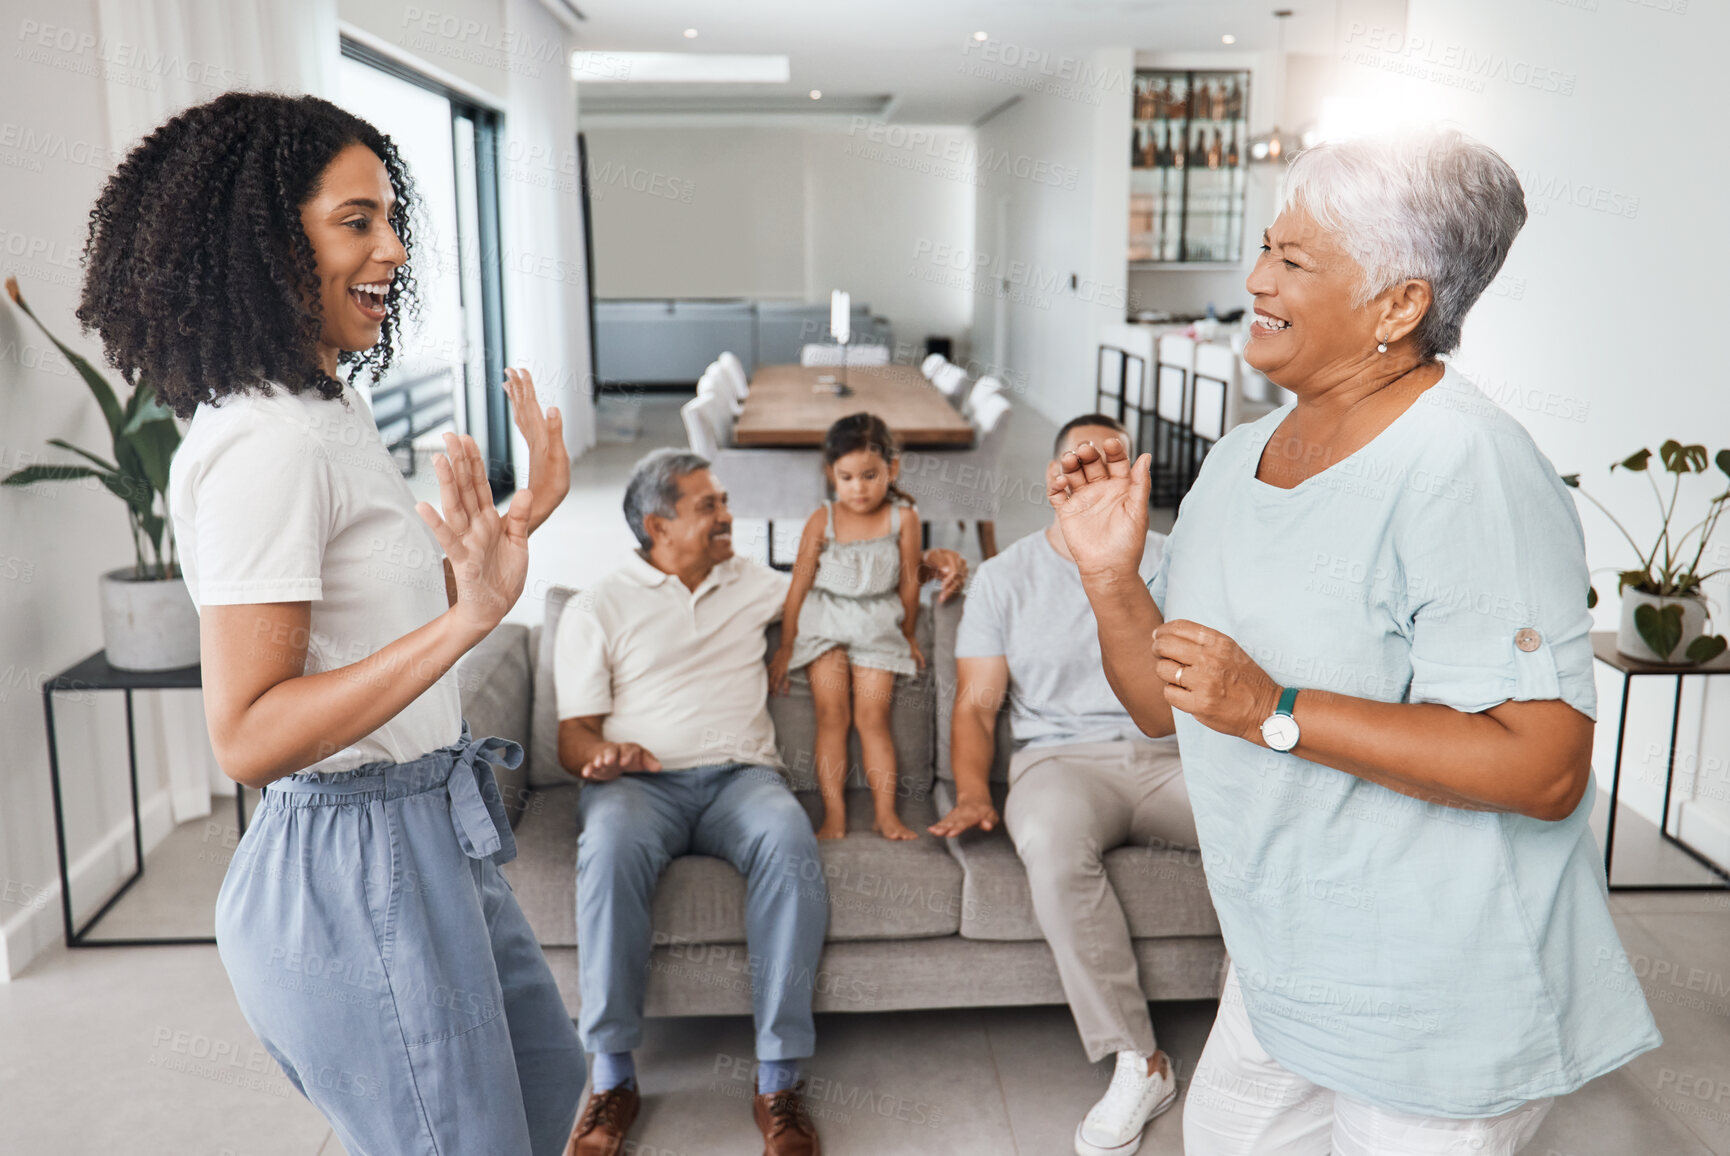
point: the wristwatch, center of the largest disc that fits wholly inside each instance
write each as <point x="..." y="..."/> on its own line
<point x="1280" y="730"/>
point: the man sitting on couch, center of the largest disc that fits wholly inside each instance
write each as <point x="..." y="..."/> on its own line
<point x="1083" y="780"/>
<point x="660" y="657"/>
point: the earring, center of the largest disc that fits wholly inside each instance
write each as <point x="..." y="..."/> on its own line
<point x="1381" y="347"/>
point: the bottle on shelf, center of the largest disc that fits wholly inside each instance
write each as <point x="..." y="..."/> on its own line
<point x="1198" y="148"/>
<point x="1179" y="147"/>
<point x="1213" y="151"/>
<point x="1161" y="151"/>
<point x="1231" y="154"/>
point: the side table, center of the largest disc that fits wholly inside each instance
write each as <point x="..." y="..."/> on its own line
<point x="1604" y="650"/>
<point x="94" y="673"/>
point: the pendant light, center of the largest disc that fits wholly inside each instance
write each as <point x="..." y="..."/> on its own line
<point x="1271" y="146"/>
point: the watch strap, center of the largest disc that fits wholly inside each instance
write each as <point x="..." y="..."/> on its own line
<point x="1287" y="698"/>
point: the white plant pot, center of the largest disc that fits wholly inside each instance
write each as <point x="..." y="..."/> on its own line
<point x="1631" y="645"/>
<point x="148" y="624"/>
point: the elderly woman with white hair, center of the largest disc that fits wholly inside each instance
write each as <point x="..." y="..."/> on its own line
<point x="1369" y="630"/>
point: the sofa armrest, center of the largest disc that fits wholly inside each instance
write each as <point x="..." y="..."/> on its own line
<point x="497" y="691"/>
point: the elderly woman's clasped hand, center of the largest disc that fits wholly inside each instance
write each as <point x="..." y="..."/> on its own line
<point x="1101" y="502"/>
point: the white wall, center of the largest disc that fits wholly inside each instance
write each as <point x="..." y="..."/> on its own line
<point x="1053" y="203"/>
<point x="784" y="212"/>
<point x="1598" y="335"/>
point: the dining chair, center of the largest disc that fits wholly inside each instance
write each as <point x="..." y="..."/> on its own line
<point x="827" y="354"/>
<point x="700" y="430"/>
<point x="1108" y="381"/>
<point x="982" y="389"/>
<point x="966" y="485"/>
<point x="951" y="379"/>
<point x="932" y="363"/>
<point x="734" y="371"/>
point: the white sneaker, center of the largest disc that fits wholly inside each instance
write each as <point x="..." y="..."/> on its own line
<point x="1113" y="1126"/>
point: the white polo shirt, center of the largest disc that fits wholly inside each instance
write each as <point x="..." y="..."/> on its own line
<point x="679" y="671"/>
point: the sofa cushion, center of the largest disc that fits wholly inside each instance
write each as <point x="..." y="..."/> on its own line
<point x="493" y="680"/>
<point x="911" y="723"/>
<point x="877" y="889"/>
<point x="1163" y="891"/>
<point x="945" y="620"/>
<point x="544" y="769"/>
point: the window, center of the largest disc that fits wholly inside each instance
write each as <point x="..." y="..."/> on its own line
<point x="449" y="370"/>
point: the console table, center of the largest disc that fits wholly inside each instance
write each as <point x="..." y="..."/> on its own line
<point x="95" y="674"/>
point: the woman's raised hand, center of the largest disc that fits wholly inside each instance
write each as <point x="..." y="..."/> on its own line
<point x="549" y="462"/>
<point x="1101" y="504"/>
<point x="488" y="551"/>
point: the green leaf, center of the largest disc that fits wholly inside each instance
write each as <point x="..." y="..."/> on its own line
<point x="1634" y="578"/>
<point x="1706" y="648"/>
<point x="66" y="445"/>
<point x="1571" y="480"/>
<point x="1636" y="462"/>
<point x="98" y="384"/>
<point x="1591" y="597"/>
<point x="149" y="409"/>
<point x="1660" y="627"/>
<point x="1681" y="459"/>
<point x="155" y="443"/>
<point x="30" y="475"/>
<point x="1723" y="460"/>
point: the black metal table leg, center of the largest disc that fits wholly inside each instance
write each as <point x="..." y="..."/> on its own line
<point x="1616" y="779"/>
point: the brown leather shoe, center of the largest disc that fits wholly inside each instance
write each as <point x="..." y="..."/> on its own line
<point x="787" y="1130"/>
<point x="606" y="1119"/>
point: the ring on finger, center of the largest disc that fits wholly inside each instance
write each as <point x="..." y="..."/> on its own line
<point x="1177" y="679"/>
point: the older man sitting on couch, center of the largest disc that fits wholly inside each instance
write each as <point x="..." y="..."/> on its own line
<point x="1083" y="780"/>
<point x="662" y="656"/>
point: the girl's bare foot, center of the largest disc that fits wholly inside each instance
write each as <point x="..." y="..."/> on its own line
<point x="891" y="827"/>
<point x="834" y="827"/>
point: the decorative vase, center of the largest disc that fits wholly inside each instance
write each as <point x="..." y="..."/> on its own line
<point x="1693" y="624"/>
<point x="148" y="623"/>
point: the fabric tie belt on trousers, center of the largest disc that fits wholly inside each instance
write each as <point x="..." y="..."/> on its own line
<point x="478" y="817"/>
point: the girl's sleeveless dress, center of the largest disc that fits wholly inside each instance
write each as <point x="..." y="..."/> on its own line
<point x="855" y="602"/>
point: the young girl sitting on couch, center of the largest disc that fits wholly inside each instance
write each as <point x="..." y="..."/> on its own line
<point x="851" y="614"/>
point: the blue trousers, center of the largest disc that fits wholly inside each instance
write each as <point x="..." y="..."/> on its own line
<point x="633" y="826"/>
<point x="381" y="958"/>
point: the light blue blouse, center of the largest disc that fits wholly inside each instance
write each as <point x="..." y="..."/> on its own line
<point x="1416" y="956"/>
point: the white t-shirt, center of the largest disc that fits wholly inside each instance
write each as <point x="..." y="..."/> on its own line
<point x="285" y="497"/>
<point x="679" y="671"/>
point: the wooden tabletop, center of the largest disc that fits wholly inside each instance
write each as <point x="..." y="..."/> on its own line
<point x="784" y="409"/>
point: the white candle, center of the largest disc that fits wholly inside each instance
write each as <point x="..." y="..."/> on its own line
<point x="840" y="316"/>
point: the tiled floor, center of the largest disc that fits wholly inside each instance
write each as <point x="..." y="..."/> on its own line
<point x="143" y="1050"/>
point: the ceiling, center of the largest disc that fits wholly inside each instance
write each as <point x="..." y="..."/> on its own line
<point x="917" y="59"/>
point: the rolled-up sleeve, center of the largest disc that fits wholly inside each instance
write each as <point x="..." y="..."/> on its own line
<point x="1495" y="583"/>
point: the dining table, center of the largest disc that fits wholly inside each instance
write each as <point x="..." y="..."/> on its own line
<point x="794" y="406"/>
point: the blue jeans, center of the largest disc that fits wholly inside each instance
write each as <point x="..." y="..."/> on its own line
<point x="380" y="956"/>
<point x="633" y="826"/>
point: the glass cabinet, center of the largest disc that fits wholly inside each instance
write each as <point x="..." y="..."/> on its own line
<point x="1189" y="145"/>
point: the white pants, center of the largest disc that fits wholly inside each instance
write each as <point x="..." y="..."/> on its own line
<point x="1242" y="1103"/>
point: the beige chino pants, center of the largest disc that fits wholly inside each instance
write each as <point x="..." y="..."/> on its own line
<point x="1068" y="805"/>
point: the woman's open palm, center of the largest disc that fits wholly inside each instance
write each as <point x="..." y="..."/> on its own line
<point x="488" y="551"/>
<point x="1101" y="503"/>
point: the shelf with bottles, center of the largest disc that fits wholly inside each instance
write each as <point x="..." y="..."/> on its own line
<point x="1189" y="148"/>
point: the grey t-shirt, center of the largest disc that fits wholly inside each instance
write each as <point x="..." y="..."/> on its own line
<point x="1027" y="604"/>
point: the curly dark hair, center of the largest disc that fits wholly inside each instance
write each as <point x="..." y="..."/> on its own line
<point x="198" y="274"/>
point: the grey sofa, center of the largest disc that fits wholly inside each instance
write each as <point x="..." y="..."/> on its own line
<point x="930" y="923"/>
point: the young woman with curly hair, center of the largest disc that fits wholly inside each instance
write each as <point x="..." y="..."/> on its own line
<point x="238" y="256"/>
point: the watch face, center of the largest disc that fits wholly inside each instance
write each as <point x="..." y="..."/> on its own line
<point x="1280" y="731"/>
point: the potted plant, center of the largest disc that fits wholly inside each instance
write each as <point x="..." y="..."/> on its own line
<point x="148" y="619"/>
<point x="1664" y="610"/>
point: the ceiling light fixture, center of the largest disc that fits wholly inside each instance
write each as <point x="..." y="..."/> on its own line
<point x="1271" y="147"/>
<point x="1228" y="38"/>
<point x="982" y="36"/>
<point x="816" y="94"/>
<point x="690" y="34"/>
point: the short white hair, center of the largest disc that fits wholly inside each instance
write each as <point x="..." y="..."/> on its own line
<point x="1431" y="204"/>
